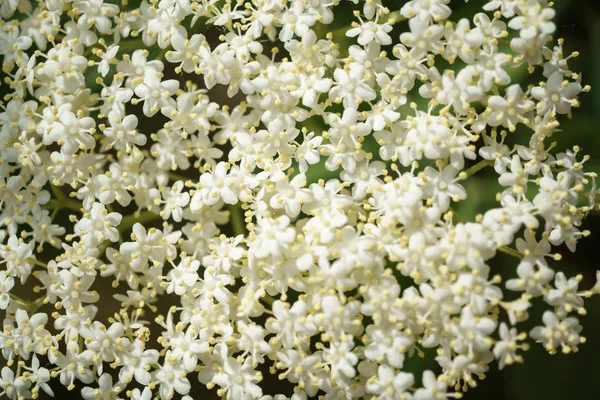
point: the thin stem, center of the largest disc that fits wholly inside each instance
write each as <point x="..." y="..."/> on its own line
<point x="137" y="216"/>
<point x="62" y="201"/>
<point x="36" y="262"/>
<point x="511" y="252"/>
<point x="455" y="215"/>
<point x="237" y="220"/>
<point x="268" y="299"/>
<point x="57" y="192"/>
<point x="21" y="302"/>
<point x="162" y="53"/>
<point x="477" y="167"/>
<point x="394" y="18"/>
<point x="30" y="306"/>
<point x="176" y="177"/>
<point x="54" y="212"/>
<point x="132" y="44"/>
<point x="65" y="204"/>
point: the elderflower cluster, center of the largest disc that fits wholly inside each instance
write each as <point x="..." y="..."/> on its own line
<point x="249" y="188"/>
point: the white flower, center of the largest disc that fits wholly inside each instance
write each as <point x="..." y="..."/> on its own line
<point x="457" y="92"/>
<point x="273" y="236"/>
<point x="70" y="131"/>
<point x="136" y="363"/>
<point x="295" y="21"/>
<point x="96" y="13"/>
<point x="534" y="21"/>
<point x="6" y="284"/>
<point x="291" y="195"/>
<point x="136" y="394"/>
<point x="341" y="359"/>
<point x="459" y="368"/>
<point x="557" y="95"/>
<point x="423" y="37"/>
<point x="432" y="387"/>
<point x="151" y="244"/>
<point x="557" y="333"/>
<point x="390" y="384"/>
<point x="104" y="391"/>
<point x="183" y="276"/>
<point x="156" y="93"/>
<point x="137" y="66"/>
<point x="99" y="225"/>
<point x="426" y="10"/>
<point x="351" y="87"/>
<point x="113" y="185"/>
<point x="122" y="133"/>
<point x="252" y="340"/>
<point x="226" y="253"/>
<point x="463" y="41"/>
<point x="565" y="297"/>
<point x="471" y="333"/>
<point x="14" y="255"/>
<point x="283" y="322"/>
<point x="172" y="379"/>
<point x="174" y="200"/>
<point x="215" y="186"/>
<point x="534" y="252"/>
<point x="269" y="213"/>
<point x="13" y="386"/>
<point x="387" y="344"/>
<point x="505" y="350"/>
<point x="39" y="376"/>
<point x="491" y="70"/>
<point x="74" y="364"/>
<point x="64" y="68"/>
<point x="443" y="187"/>
<point x="107" y="57"/>
<point x="367" y="31"/>
<point x="239" y="379"/>
<point x="29" y="332"/>
<point x="311" y="86"/>
<point x="531" y="279"/>
<point x="107" y="342"/>
<point x="186" y="51"/>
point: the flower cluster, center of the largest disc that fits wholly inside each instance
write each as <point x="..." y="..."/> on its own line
<point x="172" y="156"/>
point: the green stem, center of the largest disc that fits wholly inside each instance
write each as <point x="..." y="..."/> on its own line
<point x="237" y="220"/>
<point x="511" y="252"/>
<point x="455" y="215"/>
<point x="30" y="306"/>
<point x="21" y="302"/>
<point x="176" y="177"/>
<point x="162" y="53"/>
<point x="54" y="212"/>
<point x="62" y="201"/>
<point x="65" y="204"/>
<point x="132" y="44"/>
<point x="36" y="262"/>
<point x="57" y="192"/>
<point x="137" y="216"/>
<point x="393" y="18"/>
<point x="479" y="166"/>
<point x="37" y="304"/>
